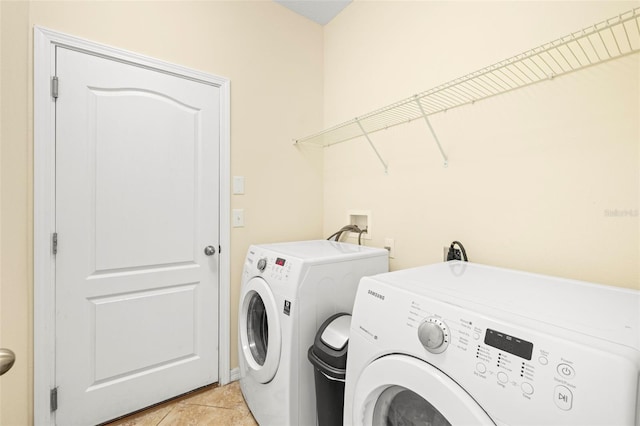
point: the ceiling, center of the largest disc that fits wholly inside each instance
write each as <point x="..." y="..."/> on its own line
<point x="320" y="11"/>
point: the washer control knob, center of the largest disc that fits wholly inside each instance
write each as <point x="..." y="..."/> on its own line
<point x="434" y="335"/>
<point x="262" y="264"/>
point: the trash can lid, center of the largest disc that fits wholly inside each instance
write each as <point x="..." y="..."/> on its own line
<point x="336" y="334"/>
<point x="329" y="350"/>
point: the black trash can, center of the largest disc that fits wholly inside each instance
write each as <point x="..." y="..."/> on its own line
<point x="329" y="358"/>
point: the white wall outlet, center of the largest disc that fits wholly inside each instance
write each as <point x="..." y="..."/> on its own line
<point x="238" y="185"/>
<point x="361" y="218"/>
<point x="390" y="244"/>
<point x="237" y="218"/>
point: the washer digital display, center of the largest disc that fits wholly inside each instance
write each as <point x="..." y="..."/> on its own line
<point x="510" y="344"/>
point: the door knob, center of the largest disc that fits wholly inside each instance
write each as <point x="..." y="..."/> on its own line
<point x="7" y="358"/>
<point x="209" y="250"/>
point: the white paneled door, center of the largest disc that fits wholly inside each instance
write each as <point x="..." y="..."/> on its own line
<point x="137" y="222"/>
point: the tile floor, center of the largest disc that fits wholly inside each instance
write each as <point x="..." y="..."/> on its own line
<point x="213" y="405"/>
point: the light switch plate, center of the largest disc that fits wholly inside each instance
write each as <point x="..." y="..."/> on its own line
<point x="238" y="218"/>
<point x="238" y="185"/>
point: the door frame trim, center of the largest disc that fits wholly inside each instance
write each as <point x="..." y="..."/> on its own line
<point x="45" y="42"/>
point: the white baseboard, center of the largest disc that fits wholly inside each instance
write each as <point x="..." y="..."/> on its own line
<point x="234" y="375"/>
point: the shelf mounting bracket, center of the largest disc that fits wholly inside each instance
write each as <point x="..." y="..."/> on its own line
<point x="366" y="135"/>
<point x="435" y="137"/>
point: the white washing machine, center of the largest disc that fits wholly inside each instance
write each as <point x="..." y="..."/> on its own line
<point x="288" y="290"/>
<point x="459" y="343"/>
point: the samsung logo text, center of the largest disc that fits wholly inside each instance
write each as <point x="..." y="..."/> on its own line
<point x="376" y="295"/>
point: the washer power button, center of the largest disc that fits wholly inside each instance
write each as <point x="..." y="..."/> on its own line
<point x="567" y="371"/>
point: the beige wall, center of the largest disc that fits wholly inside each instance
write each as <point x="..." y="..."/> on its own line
<point x="274" y="61"/>
<point x="1" y="307"/>
<point x="15" y="216"/>
<point x="531" y="173"/>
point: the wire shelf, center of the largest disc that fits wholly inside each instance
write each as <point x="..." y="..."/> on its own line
<point x="614" y="38"/>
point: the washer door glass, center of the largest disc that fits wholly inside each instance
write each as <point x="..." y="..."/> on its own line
<point x="259" y="330"/>
<point x="403" y="390"/>
<point x="397" y="406"/>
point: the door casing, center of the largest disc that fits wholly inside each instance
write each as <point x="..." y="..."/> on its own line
<point x="45" y="41"/>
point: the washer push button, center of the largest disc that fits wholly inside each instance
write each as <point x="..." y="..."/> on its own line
<point x="566" y="371"/>
<point x="563" y="397"/>
<point x="527" y="388"/>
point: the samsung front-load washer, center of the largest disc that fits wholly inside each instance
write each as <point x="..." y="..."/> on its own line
<point x="288" y="290"/>
<point x="460" y="344"/>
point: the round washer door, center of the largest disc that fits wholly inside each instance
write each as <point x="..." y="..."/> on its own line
<point x="259" y="329"/>
<point x="402" y="390"/>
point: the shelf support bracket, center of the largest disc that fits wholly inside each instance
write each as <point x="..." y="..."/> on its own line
<point x="366" y="135"/>
<point x="435" y="137"/>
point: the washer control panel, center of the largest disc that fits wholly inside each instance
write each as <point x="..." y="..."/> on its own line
<point x="500" y="359"/>
<point x="269" y="265"/>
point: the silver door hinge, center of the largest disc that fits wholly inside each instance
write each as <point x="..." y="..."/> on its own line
<point x="53" y="399"/>
<point x="54" y="243"/>
<point x="54" y="87"/>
